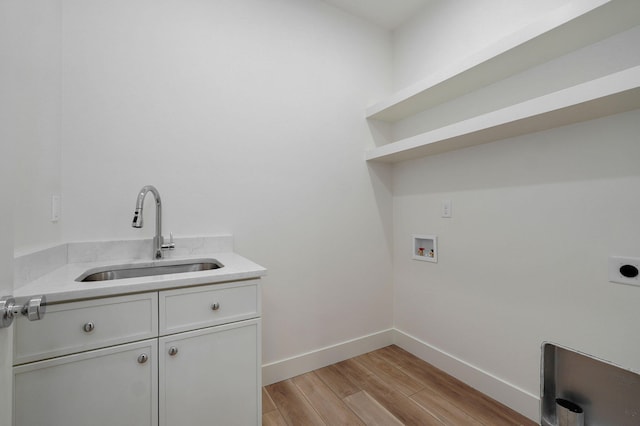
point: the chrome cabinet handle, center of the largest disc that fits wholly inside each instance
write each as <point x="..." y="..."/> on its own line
<point x="215" y="306"/>
<point x="88" y="327"/>
<point x="173" y="351"/>
<point x="142" y="358"/>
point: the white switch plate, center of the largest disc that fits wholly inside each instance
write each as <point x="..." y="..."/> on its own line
<point x="618" y="262"/>
<point x="55" y="208"/>
<point x="446" y="208"/>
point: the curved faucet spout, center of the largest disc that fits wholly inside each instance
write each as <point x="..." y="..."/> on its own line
<point x="158" y="240"/>
<point x="137" y="214"/>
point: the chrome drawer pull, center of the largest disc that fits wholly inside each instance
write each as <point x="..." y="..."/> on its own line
<point x="173" y="351"/>
<point x="88" y="327"/>
<point x="215" y="306"/>
<point x="142" y="358"/>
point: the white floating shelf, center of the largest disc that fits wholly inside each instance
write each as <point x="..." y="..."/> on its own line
<point x="564" y="30"/>
<point x="612" y="94"/>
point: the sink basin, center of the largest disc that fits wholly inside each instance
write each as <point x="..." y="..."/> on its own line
<point x="116" y="272"/>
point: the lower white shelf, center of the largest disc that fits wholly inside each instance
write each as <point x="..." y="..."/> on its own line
<point x="612" y="94"/>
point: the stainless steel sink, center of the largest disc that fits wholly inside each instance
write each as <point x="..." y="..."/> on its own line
<point x="116" y="272"/>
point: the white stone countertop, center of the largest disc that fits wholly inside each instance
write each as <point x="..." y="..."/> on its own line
<point x="60" y="285"/>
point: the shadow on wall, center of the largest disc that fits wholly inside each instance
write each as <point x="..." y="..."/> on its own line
<point x="381" y="182"/>
<point x="597" y="149"/>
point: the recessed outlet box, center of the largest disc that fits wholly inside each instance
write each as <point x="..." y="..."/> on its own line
<point x="624" y="270"/>
<point x="425" y="248"/>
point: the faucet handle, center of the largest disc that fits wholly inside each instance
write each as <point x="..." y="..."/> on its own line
<point x="171" y="244"/>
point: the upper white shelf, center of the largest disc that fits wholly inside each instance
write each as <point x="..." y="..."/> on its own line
<point x="612" y="94"/>
<point x="562" y="31"/>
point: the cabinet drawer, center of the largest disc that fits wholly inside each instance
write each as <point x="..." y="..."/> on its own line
<point x="188" y="309"/>
<point x="79" y="326"/>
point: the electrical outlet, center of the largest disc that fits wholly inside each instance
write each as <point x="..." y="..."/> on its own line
<point x="446" y="208"/>
<point x="624" y="270"/>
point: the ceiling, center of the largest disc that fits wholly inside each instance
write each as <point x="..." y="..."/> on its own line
<point x="386" y="13"/>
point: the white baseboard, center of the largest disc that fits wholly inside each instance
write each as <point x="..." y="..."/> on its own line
<point x="300" y="364"/>
<point x="510" y="395"/>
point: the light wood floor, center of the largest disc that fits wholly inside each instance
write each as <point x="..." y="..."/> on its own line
<point x="386" y="387"/>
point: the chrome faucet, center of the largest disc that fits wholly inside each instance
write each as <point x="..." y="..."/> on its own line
<point x="158" y="240"/>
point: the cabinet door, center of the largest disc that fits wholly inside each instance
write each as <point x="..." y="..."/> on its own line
<point x="107" y="387"/>
<point x="211" y="376"/>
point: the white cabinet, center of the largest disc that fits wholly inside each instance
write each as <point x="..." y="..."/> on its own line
<point x="198" y="307"/>
<point x="106" y="362"/>
<point x="80" y="326"/>
<point x="210" y="376"/>
<point x="104" y="387"/>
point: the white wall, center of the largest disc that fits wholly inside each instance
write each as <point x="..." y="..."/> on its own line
<point x="33" y="29"/>
<point x="247" y="116"/>
<point x="524" y="258"/>
<point x="447" y="31"/>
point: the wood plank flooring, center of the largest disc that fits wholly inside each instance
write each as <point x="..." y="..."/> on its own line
<point x="386" y="387"/>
